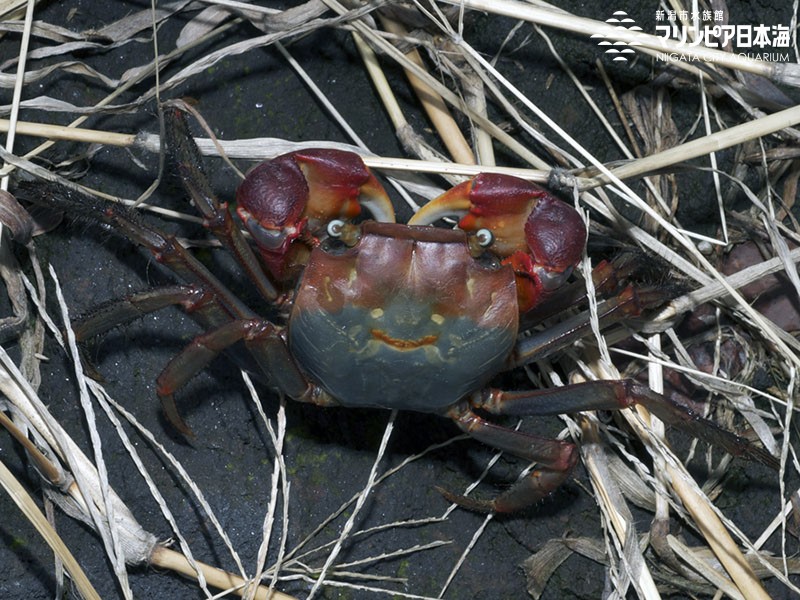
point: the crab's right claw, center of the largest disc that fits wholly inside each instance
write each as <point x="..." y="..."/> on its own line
<point x="286" y="203"/>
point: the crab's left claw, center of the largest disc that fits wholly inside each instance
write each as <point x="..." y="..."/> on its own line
<point x="540" y="236"/>
<point x="499" y="203"/>
<point x="285" y="203"/>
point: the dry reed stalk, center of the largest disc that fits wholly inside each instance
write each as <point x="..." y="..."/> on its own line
<point x="73" y="134"/>
<point x="717" y="536"/>
<point x="702" y="146"/>
<point x="382" y="86"/>
<point x="636" y="168"/>
<point x="434" y="105"/>
<point x="32" y="512"/>
<point x="261" y="149"/>
<point x="165" y="558"/>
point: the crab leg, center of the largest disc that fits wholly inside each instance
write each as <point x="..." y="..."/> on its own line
<point x="261" y="338"/>
<point x="208" y="301"/>
<point x="556" y="460"/>
<point x="608" y="278"/>
<point x="217" y="215"/>
<point x="629" y="303"/>
<point x="164" y="248"/>
<point x="119" y="312"/>
<point x="615" y="395"/>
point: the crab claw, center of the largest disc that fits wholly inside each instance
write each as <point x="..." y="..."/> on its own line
<point x="286" y="202"/>
<point x="540" y="236"/>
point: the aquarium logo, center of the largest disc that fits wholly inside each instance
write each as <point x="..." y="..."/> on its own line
<point x="617" y="50"/>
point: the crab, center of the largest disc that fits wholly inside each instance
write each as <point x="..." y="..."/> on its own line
<point x="373" y="313"/>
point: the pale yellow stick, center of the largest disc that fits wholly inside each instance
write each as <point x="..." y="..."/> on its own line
<point x="705" y="145"/>
<point x="242" y="149"/>
<point x="166" y="558"/>
<point x="75" y="134"/>
<point x="381" y="84"/>
<point x="718" y="538"/>
<point x="693" y="149"/>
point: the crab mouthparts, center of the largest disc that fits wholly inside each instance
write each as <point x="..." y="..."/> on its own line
<point x="402" y="344"/>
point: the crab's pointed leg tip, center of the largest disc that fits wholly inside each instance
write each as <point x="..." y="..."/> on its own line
<point x="483" y="506"/>
<point x="174" y="418"/>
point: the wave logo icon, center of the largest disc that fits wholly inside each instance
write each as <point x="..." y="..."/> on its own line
<point x="619" y="51"/>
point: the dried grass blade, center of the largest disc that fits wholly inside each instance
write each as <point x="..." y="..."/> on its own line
<point x="11" y="10"/>
<point x="700" y="147"/>
<point x="143" y="20"/>
<point x="362" y="498"/>
<point x="696" y="559"/>
<point x="717" y="536"/>
<point x="279" y="474"/>
<point x="87" y="497"/>
<point x="204" y="22"/>
<point x="541" y="566"/>
<point x="31" y="511"/>
<point x="613" y="506"/>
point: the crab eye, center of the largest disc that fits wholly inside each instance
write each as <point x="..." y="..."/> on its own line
<point x="335" y="228"/>
<point x="484" y="237"/>
<point x="343" y="233"/>
<point x="552" y="280"/>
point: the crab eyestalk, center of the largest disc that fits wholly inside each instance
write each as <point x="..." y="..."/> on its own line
<point x="286" y="203"/>
<point x="541" y="237"/>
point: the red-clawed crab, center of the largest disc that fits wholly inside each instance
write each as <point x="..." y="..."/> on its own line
<point x="410" y="317"/>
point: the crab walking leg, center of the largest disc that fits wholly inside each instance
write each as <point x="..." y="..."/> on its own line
<point x="217" y="216"/>
<point x="192" y="298"/>
<point x="264" y="342"/>
<point x="615" y="395"/>
<point x="164" y="247"/>
<point x="608" y="279"/>
<point x="629" y="303"/>
<point x="555" y="459"/>
<point x="215" y="307"/>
